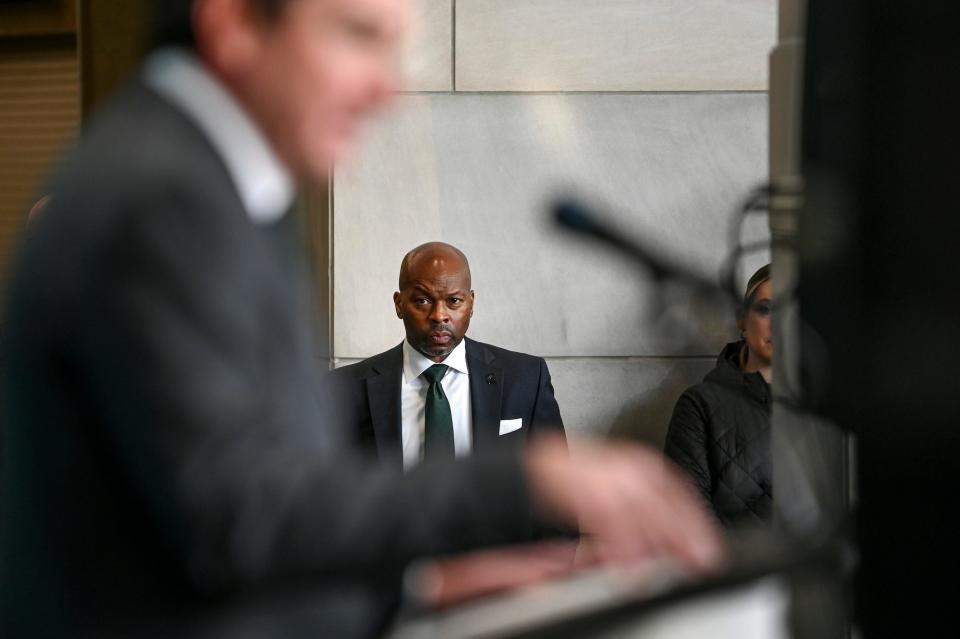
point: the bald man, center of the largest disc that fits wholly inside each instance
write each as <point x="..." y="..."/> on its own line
<point x="439" y="394"/>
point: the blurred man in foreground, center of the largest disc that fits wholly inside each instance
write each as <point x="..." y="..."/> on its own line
<point x="169" y="469"/>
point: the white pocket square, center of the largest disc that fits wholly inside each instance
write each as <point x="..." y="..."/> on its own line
<point x="510" y="425"/>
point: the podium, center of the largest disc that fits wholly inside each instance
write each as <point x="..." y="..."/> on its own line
<point x="749" y="601"/>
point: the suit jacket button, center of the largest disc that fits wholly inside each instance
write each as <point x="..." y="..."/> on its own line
<point x="491" y="379"/>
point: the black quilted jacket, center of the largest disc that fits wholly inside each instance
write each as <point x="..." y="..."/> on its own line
<point x="720" y="434"/>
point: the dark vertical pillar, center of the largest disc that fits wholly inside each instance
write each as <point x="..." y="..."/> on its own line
<point x="879" y="240"/>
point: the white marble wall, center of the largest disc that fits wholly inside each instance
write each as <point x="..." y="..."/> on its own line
<point x="654" y="108"/>
<point x="479" y="171"/>
<point x="428" y="55"/>
<point x="614" y="45"/>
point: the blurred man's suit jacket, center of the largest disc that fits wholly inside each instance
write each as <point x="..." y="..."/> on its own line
<point x="169" y="469"/>
<point x="511" y="400"/>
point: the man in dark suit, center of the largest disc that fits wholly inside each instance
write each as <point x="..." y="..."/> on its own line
<point x="170" y="469"/>
<point x="496" y="399"/>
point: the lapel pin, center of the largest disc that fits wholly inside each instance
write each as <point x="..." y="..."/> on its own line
<point x="491" y="379"/>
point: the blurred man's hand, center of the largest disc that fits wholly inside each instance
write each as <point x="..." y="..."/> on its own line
<point x="631" y="505"/>
<point x="452" y="580"/>
<point x="631" y="502"/>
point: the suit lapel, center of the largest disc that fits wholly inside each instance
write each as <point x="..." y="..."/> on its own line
<point x="486" y="388"/>
<point x="383" y="395"/>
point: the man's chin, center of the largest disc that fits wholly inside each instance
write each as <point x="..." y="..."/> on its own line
<point x="314" y="165"/>
<point x="435" y="352"/>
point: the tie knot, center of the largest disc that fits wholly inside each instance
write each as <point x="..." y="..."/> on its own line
<point x="435" y="373"/>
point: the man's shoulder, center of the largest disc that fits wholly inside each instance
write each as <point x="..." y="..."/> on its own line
<point x="374" y="365"/>
<point x="136" y="154"/>
<point x="142" y="137"/>
<point x="141" y="163"/>
<point x="501" y="356"/>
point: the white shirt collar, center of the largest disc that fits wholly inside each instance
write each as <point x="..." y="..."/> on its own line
<point x="265" y="186"/>
<point x="415" y="362"/>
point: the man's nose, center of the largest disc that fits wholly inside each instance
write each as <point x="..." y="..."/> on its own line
<point x="439" y="313"/>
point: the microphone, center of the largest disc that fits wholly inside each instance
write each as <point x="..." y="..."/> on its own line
<point x="580" y="218"/>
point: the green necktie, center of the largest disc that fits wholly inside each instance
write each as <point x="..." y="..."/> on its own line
<point x="438" y="431"/>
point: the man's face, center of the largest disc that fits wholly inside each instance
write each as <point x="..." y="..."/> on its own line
<point x="436" y="305"/>
<point x="312" y="75"/>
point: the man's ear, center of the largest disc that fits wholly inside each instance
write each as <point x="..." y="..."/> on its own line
<point x="396" y="305"/>
<point x="227" y="34"/>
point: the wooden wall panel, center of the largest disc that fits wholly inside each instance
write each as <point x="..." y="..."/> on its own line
<point x="39" y="115"/>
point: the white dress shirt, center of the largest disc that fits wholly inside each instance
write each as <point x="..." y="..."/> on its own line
<point x="413" y="401"/>
<point x="263" y="182"/>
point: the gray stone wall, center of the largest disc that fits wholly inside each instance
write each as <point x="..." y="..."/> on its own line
<point x="655" y="108"/>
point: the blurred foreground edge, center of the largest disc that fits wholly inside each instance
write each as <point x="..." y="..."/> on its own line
<point x="749" y="600"/>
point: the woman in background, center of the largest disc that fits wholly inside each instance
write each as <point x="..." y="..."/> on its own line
<point x="720" y="429"/>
